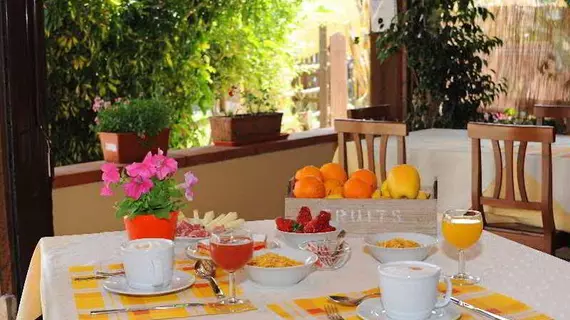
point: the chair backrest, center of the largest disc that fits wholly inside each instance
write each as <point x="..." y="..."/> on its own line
<point x="509" y="134"/>
<point x="369" y="130"/>
<point x="542" y="111"/>
<point x="379" y="113"/>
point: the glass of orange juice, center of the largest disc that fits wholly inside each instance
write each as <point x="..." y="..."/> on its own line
<point x="462" y="228"/>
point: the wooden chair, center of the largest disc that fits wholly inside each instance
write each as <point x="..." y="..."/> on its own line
<point x="369" y="130"/>
<point x="546" y="238"/>
<point x="562" y="112"/>
<point x="379" y="113"/>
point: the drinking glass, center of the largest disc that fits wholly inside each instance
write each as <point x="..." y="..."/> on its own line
<point x="231" y="250"/>
<point x="462" y="228"/>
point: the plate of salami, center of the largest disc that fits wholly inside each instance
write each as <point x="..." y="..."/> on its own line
<point x="195" y="229"/>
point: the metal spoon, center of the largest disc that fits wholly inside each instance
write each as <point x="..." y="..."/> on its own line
<point x="205" y="269"/>
<point x="351" y="302"/>
<point x="339" y="238"/>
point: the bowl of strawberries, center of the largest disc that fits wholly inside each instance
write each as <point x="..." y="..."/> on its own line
<point x="306" y="228"/>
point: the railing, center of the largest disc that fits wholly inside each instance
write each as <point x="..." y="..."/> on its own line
<point x="328" y="79"/>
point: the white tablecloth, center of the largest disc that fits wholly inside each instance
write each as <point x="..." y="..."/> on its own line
<point x="530" y="276"/>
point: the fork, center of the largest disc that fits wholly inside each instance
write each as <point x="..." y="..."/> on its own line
<point x="332" y="312"/>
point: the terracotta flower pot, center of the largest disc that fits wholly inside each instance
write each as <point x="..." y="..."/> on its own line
<point x="246" y="129"/>
<point x="128" y="147"/>
<point x="149" y="226"/>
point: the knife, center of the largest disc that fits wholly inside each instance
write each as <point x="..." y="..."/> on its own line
<point x="486" y="313"/>
<point x="100" y="275"/>
<point x="162" y="307"/>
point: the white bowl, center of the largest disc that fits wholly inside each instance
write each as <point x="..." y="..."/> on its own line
<point x="385" y="255"/>
<point x="294" y="239"/>
<point x="282" y="277"/>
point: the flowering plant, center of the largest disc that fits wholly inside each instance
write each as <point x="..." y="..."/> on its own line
<point x="145" y="117"/>
<point x="510" y="116"/>
<point x="149" y="186"/>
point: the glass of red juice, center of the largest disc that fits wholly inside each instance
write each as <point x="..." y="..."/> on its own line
<point x="231" y="250"/>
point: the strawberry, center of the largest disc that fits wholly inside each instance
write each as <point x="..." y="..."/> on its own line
<point x="311" y="227"/>
<point x="329" y="229"/>
<point x="324" y="217"/>
<point x="284" y="224"/>
<point x="304" y="216"/>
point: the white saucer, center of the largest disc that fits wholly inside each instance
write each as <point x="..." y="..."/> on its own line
<point x="372" y="309"/>
<point x="180" y="281"/>
<point x="190" y="239"/>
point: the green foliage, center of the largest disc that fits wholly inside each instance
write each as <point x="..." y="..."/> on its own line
<point x="446" y="49"/>
<point x="186" y="51"/>
<point x="161" y="200"/>
<point x="258" y="102"/>
<point x="145" y="117"/>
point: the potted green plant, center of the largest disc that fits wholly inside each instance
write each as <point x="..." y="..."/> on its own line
<point x="129" y="129"/>
<point x="447" y="51"/>
<point x="152" y="196"/>
<point x="260" y="122"/>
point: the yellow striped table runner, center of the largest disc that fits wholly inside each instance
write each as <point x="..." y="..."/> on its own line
<point x="497" y="303"/>
<point x="90" y="295"/>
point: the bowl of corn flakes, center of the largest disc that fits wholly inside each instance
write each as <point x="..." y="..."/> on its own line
<point x="399" y="246"/>
<point x="280" y="267"/>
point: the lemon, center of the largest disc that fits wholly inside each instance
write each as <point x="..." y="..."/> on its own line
<point x="404" y="182"/>
<point x="422" y="195"/>
<point x="377" y="194"/>
<point x="335" y="196"/>
<point x="384" y="190"/>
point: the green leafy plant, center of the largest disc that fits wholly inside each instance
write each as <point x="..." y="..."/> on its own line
<point x="145" y="117"/>
<point x="258" y="102"/>
<point x="446" y="49"/>
<point x="189" y="52"/>
<point x="512" y="116"/>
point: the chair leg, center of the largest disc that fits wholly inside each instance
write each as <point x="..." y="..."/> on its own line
<point x="8" y="306"/>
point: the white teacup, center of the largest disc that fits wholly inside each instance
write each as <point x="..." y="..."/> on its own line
<point x="148" y="263"/>
<point x="409" y="289"/>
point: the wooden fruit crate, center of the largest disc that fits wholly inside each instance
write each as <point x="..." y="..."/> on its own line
<point x="374" y="215"/>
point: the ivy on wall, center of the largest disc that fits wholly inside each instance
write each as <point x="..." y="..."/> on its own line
<point x="188" y="52"/>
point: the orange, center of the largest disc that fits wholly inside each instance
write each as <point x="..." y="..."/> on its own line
<point x="337" y="191"/>
<point x="309" y="171"/>
<point x="309" y="187"/>
<point x="332" y="185"/>
<point x="355" y="188"/>
<point x="366" y="176"/>
<point x="334" y="171"/>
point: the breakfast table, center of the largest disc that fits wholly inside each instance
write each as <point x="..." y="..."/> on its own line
<point x="529" y="276"/>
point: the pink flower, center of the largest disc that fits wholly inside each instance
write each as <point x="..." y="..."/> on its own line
<point x="501" y="116"/>
<point x="163" y="165"/>
<point x="143" y="169"/>
<point x="189" y="181"/>
<point x="98" y="104"/>
<point x="106" y="190"/>
<point x="110" y="173"/>
<point x="137" y="186"/>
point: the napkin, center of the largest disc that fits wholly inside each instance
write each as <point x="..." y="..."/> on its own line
<point x="90" y="295"/>
<point x="475" y="295"/>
